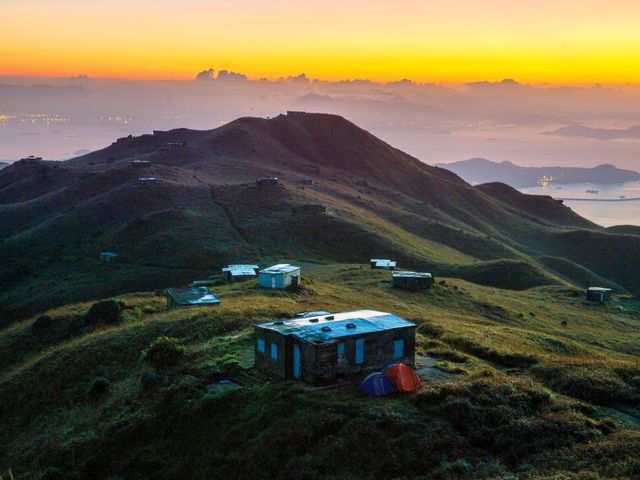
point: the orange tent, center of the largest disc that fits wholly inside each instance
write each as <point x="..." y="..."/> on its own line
<point x="404" y="377"/>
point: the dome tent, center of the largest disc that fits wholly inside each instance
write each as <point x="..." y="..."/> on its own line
<point x="403" y="377"/>
<point x="377" y="385"/>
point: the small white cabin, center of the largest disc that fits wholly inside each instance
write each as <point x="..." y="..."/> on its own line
<point x="282" y="275"/>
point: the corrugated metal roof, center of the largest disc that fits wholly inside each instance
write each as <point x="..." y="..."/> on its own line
<point x="192" y="296"/>
<point x="330" y="328"/>
<point x="383" y="262"/>
<point x="410" y="274"/>
<point x="317" y="313"/>
<point x="599" y="289"/>
<point x="241" y="270"/>
<point x="280" y="268"/>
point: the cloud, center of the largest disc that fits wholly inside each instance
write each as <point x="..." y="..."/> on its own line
<point x="227" y="75"/>
<point x="314" y="97"/>
<point x="302" y="78"/>
<point x="206" y="75"/>
<point x="405" y="82"/>
<point x="506" y="84"/>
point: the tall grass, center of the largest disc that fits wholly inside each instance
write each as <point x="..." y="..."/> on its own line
<point x="517" y="376"/>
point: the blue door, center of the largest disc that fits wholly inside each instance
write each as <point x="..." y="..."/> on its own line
<point x="359" y="351"/>
<point x="296" y="361"/>
<point x="398" y="349"/>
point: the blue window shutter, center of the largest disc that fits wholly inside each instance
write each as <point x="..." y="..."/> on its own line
<point x="359" y="351"/>
<point x="398" y="349"/>
<point x="261" y="345"/>
<point x="274" y="351"/>
<point x="341" y="349"/>
<point x="296" y="361"/>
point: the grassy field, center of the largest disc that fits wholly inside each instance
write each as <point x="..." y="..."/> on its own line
<point x="529" y="395"/>
<point x="367" y="199"/>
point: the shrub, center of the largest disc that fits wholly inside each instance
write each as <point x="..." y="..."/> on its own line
<point x="597" y="385"/>
<point x="509" y="416"/>
<point x="98" y="387"/>
<point x="506" y="358"/>
<point x="448" y="354"/>
<point x="456" y="468"/>
<point x="149" y="380"/>
<point x="9" y="475"/>
<point x="228" y="362"/>
<point x="164" y="352"/>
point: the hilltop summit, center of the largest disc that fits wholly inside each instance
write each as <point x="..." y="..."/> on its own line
<point x="205" y="210"/>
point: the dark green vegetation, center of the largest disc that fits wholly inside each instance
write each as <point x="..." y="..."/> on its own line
<point x="530" y="380"/>
<point x="369" y="200"/>
<point x="529" y="398"/>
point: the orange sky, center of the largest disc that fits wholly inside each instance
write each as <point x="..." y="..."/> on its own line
<point x="559" y="41"/>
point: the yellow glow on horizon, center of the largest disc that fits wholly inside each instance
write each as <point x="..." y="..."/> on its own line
<point x="443" y="41"/>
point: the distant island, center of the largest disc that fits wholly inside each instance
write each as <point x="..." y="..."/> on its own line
<point x="481" y="170"/>
<point x="580" y="131"/>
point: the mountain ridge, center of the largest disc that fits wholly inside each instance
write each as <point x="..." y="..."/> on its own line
<point x="368" y="199"/>
<point x="581" y="131"/>
<point x="480" y="170"/>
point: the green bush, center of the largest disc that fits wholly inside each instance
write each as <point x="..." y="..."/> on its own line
<point x="448" y="354"/>
<point x="164" y="352"/>
<point x="228" y="362"/>
<point x="597" y="385"/>
<point x="509" y="416"/>
<point x="98" y="387"/>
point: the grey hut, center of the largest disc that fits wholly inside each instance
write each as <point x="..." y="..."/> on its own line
<point x="412" y="280"/>
<point x="282" y="275"/>
<point x="140" y="163"/>
<point x="383" y="263"/>
<point x="148" y="180"/>
<point x="598" y="294"/>
<point x="190" y="297"/>
<point x="267" y="181"/>
<point x="321" y="348"/>
<point x="108" y="257"/>
<point x="239" y="273"/>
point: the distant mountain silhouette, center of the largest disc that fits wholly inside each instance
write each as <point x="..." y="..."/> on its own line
<point x="368" y="199"/>
<point x="4" y="164"/>
<point x="481" y="170"/>
<point x="599" y="133"/>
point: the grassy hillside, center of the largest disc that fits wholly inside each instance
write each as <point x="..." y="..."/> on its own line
<point x="369" y="200"/>
<point x="578" y="274"/>
<point x="510" y="391"/>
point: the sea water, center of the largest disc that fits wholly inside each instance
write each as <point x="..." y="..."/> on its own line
<point x="606" y="205"/>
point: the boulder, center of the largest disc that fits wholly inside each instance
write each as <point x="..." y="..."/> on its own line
<point x="41" y="323"/>
<point x="106" y="311"/>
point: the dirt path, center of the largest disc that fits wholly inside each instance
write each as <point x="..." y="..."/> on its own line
<point x="428" y="372"/>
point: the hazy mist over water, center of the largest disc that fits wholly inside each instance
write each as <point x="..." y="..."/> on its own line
<point x="61" y="118"/>
<point x="606" y="205"/>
